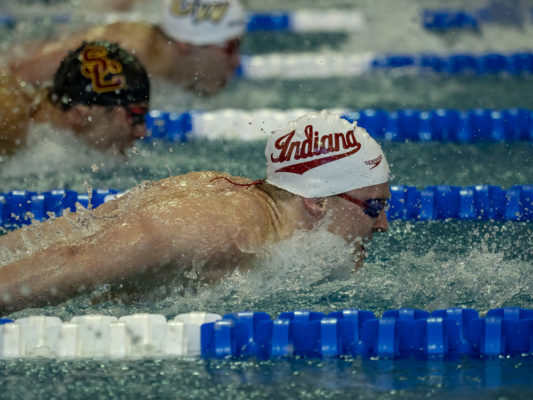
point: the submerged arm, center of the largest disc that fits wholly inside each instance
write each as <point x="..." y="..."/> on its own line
<point x="63" y="270"/>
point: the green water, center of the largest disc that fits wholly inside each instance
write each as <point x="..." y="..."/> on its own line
<point x="416" y="164"/>
<point x="295" y="379"/>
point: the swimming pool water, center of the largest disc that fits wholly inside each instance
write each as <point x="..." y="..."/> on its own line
<point x="426" y="265"/>
<point x="297" y="379"/>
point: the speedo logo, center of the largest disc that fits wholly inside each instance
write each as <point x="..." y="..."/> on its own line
<point x="199" y="11"/>
<point x="375" y="162"/>
<point x="313" y="145"/>
<point x="96" y="66"/>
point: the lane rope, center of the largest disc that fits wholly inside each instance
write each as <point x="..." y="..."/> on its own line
<point x="336" y="64"/>
<point x="405" y="333"/>
<point x="438" y="202"/>
<point x="301" y="21"/>
<point x="399" y="125"/>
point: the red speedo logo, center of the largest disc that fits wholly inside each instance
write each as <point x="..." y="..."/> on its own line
<point x="313" y="145"/>
<point x="375" y="162"/>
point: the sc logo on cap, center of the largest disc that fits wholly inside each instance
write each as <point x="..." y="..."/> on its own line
<point x="96" y="66"/>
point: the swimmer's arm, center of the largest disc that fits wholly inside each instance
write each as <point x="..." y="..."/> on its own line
<point x="41" y="65"/>
<point x="39" y="68"/>
<point x="43" y="59"/>
<point x="54" y="274"/>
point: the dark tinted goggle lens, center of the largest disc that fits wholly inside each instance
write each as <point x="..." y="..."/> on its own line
<point x="137" y="114"/>
<point x="232" y="46"/>
<point x="374" y="206"/>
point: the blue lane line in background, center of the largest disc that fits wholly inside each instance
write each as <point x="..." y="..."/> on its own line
<point x="272" y="22"/>
<point x="400" y="125"/>
<point x="444" y="19"/>
<point x="276" y="21"/>
<point x="21" y="207"/>
<point x="315" y="66"/>
<point x="439" y="202"/>
<point x="439" y="20"/>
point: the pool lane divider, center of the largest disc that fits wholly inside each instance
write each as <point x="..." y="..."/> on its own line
<point x="446" y="125"/>
<point x="300" y="21"/>
<point x="313" y="65"/>
<point x="438" y="202"/>
<point x="445" y="19"/>
<point x="406" y="333"/>
<point x="319" y="65"/>
<point x="441" y="20"/>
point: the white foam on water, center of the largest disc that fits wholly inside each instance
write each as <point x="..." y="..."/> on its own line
<point x="52" y="151"/>
<point x="315" y="270"/>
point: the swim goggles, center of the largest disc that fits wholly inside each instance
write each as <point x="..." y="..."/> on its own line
<point x="371" y="207"/>
<point x="136" y="114"/>
<point x="231" y="46"/>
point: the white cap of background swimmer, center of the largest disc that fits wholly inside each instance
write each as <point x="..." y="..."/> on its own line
<point x="202" y="22"/>
<point x="321" y="154"/>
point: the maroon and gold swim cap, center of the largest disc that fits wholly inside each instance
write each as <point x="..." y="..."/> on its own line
<point x="100" y="73"/>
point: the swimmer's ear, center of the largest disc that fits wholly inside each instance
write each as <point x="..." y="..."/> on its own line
<point x="315" y="206"/>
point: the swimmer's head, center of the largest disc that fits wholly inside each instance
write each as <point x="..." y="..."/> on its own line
<point x="100" y="73"/>
<point x="203" y="22"/>
<point x="321" y="154"/>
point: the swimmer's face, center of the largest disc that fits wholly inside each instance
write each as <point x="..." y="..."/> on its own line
<point x="350" y="221"/>
<point x="115" y="128"/>
<point x="210" y="68"/>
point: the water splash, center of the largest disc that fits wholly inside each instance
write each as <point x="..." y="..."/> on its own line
<point x="53" y="158"/>
<point x="420" y="265"/>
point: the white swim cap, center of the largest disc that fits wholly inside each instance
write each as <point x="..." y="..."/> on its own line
<point x="202" y="22"/>
<point x="321" y="154"/>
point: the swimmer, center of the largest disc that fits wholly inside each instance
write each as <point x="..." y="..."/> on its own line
<point x="321" y="170"/>
<point x="100" y="92"/>
<point x="195" y="44"/>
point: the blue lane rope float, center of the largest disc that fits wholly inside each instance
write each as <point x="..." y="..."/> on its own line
<point x="21" y="207"/>
<point x="440" y="202"/>
<point x="10" y="21"/>
<point x="332" y="64"/>
<point x="441" y="20"/>
<point x="7" y="21"/>
<point x="405" y="333"/>
<point x="400" y="125"/>
<point x="332" y="20"/>
<point x="313" y="20"/>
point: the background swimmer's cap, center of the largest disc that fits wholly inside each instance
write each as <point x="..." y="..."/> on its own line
<point x="321" y="154"/>
<point x="100" y="73"/>
<point x="202" y="22"/>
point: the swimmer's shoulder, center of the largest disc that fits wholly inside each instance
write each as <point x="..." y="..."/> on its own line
<point x="199" y="180"/>
<point x="136" y="37"/>
<point x="119" y="28"/>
